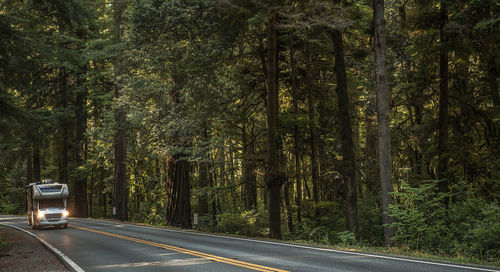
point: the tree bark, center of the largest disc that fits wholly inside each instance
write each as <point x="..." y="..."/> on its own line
<point x="36" y="161"/>
<point x="312" y="132"/>
<point x="178" y="183"/>
<point x="274" y="178"/>
<point x="178" y="192"/>
<point x="120" y="189"/>
<point x="493" y="80"/>
<point x="64" y="127"/>
<point x="348" y="163"/>
<point x="443" y="104"/>
<point x="80" y="187"/>
<point x="383" y="117"/>
<point x="29" y="165"/>
<point x="203" y="175"/>
<point x="296" y="136"/>
<point x="250" y="179"/>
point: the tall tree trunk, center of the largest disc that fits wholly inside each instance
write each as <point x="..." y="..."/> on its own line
<point x="178" y="184"/>
<point x="296" y="136"/>
<point x="120" y="189"/>
<point x="203" y="174"/>
<point x="178" y="192"/>
<point x="383" y="115"/>
<point x="36" y="161"/>
<point x="64" y="127"/>
<point x="274" y="178"/>
<point x="312" y="131"/>
<point x="325" y="162"/>
<point x="492" y="67"/>
<point x="213" y="184"/>
<point x="80" y="187"/>
<point x="286" y="187"/>
<point x="250" y="179"/>
<point x="29" y="165"/>
<point x="348" y="163"/>
<point x="371" y="149"/>
<point x="443" y="104"/>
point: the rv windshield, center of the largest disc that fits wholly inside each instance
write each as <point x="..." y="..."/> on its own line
<point x="51" y="203"/>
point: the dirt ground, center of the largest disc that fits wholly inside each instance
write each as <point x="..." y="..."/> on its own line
<point x="25" y="253"/>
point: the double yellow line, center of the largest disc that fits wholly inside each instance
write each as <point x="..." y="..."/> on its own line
<point x="187" y="251"/>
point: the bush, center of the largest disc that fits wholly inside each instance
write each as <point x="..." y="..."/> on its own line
<point x="346" y="238"/>
<point x="467" y="226"/>
<point x="249" y="223"/>
<point x="483" y="239"/>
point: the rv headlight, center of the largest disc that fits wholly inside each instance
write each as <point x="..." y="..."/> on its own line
<point x="65" y="213"/>
<point x="41" y="215"/>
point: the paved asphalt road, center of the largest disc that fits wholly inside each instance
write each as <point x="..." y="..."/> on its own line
<point x="97" y="245"/>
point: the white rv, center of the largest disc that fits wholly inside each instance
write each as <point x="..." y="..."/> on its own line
<point x="47" y="204"/>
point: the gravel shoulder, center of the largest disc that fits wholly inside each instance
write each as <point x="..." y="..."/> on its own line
<point x="25" y="253"/>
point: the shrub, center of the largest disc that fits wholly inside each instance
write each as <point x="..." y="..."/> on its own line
<point x="469" y="226"/>
<point x="249" y="223"/>
<point x="346" y="238"/>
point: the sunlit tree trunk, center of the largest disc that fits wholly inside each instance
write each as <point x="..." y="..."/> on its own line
<point x="296" y="136"/>
<point x="250" y="179"/>
<point x="312" y="132"/>
<point x="178" y="192"/>
<point x="80" y="186"/>
<point x="120" y="189"/>
<point x="178" y="184"/>
<point x="203" y="176"/>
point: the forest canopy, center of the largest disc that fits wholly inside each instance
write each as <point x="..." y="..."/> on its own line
<point x="337" y="122"/>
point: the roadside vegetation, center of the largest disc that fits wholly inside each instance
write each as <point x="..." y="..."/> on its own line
<point x="372" y="125"/>
<point x="2" y="243"/>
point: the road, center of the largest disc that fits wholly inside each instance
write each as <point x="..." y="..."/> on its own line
<point x="99" y="245"/>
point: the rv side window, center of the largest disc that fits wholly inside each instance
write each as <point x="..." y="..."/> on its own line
<point x="51" y="203"/>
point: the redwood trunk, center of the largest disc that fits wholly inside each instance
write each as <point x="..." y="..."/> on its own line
<point x="384" y="132"/>
<point x="120" y="190"/>
<point x="312" y="131"/>
<point x="443" y="105"/>
<point x="178" y="192"/>
<point x="296" y="136"/>
<point x="274" y="178"/>
<point x="348" y="164"/>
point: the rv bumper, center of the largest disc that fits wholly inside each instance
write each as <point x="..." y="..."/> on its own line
<point x="44" y="223"/>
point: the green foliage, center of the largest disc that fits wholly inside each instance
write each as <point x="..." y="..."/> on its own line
<point x="370" y="220"/>
<point x="346" y="238"/>
<point x="2" y="243"/>
<point x="249" y="223"/>
<point x="12" y="191"/>
<point x="469" y="226"/>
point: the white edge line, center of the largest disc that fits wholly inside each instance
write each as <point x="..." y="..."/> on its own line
<point x="61" y="255"/>
<point x="312" y="248"/>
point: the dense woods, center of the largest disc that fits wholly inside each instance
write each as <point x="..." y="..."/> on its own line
<point x="337" y="122"/>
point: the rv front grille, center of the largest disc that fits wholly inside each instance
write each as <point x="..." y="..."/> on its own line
<point x="53" y="217"/>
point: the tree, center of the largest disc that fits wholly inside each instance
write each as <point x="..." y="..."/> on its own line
<point x="274" y="177"/>
<point x="443" y="174"/>
<point x="120" y="189"/>
<point x="348" y="161"/>
<point x="383" y="117"/>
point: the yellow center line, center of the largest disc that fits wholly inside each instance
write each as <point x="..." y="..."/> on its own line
<point x="187" y="251"/>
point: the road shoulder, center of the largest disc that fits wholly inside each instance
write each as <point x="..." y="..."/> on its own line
<point x="23" y="252"/>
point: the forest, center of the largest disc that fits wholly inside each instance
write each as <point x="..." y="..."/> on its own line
<point x="334" y="122"/>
